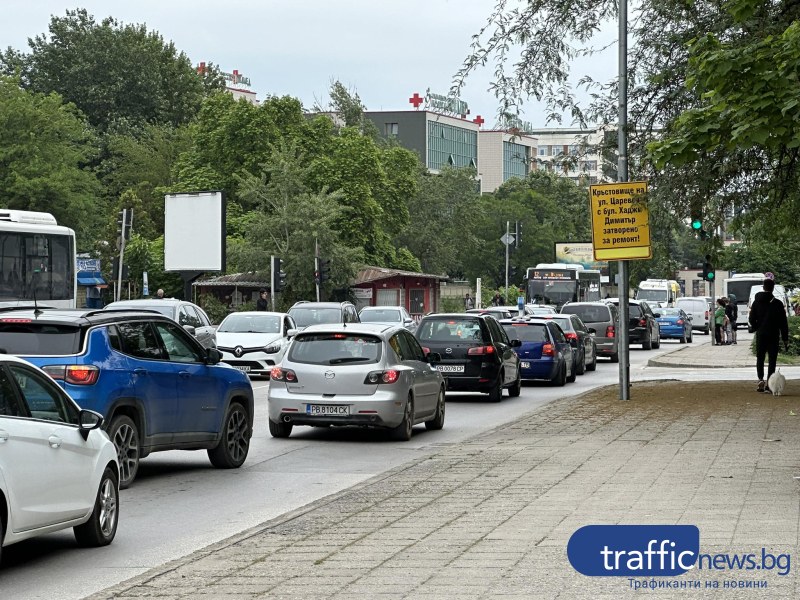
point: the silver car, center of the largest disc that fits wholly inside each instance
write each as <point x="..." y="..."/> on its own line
<point x="356" y="374"/>
<point x="190" y="316"/>
<point x="388" y="315"/>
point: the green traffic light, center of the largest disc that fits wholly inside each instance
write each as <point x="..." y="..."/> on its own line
<point x="697" y="224"/>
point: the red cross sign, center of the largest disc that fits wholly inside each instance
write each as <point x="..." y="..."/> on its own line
<point x="416" y="100"/>
<point x="479" y="120"/>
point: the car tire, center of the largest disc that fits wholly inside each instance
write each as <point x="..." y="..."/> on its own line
<point x="234" y="442"/>
<point x="561" y="378"/>
<point x="657" y="343"/>
<point x="516" y="388"/>
<point x="580" y="369"/>
<point x="101" y="527"/>
<point x="282" y="430"/>
<point x="125" y="435"/>
<point x="592" y="366"/>
<point x="691" y="337"/>
<point x="437" y="422"/>
<point x="402" y="433"/>
<point x="572" y="376"/>
<point x="614" y="357"/>
<point x="647" y="344"/>
<point x="707" y="330"/>
<point x="683" y="339"/>
<point x="496" y="393"/>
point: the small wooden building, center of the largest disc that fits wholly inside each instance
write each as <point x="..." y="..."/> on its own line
<point x="233" y="290"/>
<point x="419" y="293"/>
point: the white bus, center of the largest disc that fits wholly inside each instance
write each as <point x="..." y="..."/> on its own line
<point x="559" y="283"/>
<point x="37" y="260"/>
<point x="739" y="285"/>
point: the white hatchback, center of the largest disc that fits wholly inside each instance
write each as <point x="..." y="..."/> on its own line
<point x="58" y="469"/>
<point x="254" y="341"/>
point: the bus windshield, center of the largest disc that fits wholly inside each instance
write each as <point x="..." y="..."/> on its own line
<point x="652" y="295"/>
<point x="553" y="292"/>
<point x="36" y="265"/>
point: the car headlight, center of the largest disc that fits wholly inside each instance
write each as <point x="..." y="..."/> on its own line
<point x="272" y="348"/>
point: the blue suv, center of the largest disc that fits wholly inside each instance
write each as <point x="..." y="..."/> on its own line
<point x="156" y="386"/>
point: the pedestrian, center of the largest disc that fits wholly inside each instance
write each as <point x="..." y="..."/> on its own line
<point x="732" y="312"/>
<point x="160" y="293"/>
<point x="768" y="321"/>
<point x="497" y="300"/>
<point x="468" y="302"/>
<point x="719" y="321"/>
<point x="261" y="303"/>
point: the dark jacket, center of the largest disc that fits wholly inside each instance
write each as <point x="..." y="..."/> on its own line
<point x="732" y="312"/>
<point x="768" y="317"/>
<point x="262" y="304"/>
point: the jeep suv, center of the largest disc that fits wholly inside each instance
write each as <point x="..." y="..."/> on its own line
<point x="155" y="385"/>
<point x="323" y="313"/>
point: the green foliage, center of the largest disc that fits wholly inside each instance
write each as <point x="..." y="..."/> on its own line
<point x="215" y="309"/>
<point x="44" y="147"/>
<point x="112" y="71"/>
<point x="451" y="304"/>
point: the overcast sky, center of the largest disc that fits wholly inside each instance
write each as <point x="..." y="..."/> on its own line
<point x="385" y="50"/>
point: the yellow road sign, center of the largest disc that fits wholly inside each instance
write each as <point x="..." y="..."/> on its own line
<point x="620" y="221"/>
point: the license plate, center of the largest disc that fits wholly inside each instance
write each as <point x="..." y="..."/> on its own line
<point x="524" y="365"/>
<point x="450" y="368"/>
<point x="244" y="368"/>
<point x="337" y="410"/>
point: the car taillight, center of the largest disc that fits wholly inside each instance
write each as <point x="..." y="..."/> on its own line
<point x="642" y="322"/>
<point x="706" y="315"/>
<point x="679" y="321"/>
<point x="548" y="350"/>
<point x="480" y="350"/>
<point x="279" y="374"/>
<point x="387" y="376"/>
<point x="426" y="350"/>
<point x="571" y="335"/>
<point x="74" y="374"/>
<point x="610" y="331"/>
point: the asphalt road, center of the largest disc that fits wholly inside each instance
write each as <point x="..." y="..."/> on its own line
<point x="179" y="503"/>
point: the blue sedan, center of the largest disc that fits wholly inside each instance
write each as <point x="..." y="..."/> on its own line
<point x="674" y="323"/>
<point x="545" y="352"/>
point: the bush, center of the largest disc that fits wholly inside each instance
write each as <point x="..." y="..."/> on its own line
<point x="794" y="339"/>
<point x="451" y="304"/>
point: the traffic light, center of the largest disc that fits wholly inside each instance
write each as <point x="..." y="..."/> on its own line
<point x="278" y="276"/>
<point x="124" y="223"/>
<point x="708" y="270"/>
<point x="697" y="223"/>
<point x="324" y="269"/>
<point x="512" y="273"/>
<point x="518" y="234"/>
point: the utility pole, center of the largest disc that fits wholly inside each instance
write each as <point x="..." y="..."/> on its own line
<point x="622" y="175"/>
<point x="508" y="243"/>
<point x="316" y="266"/>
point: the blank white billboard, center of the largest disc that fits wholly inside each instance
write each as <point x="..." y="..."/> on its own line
<point x="194" y="232"/>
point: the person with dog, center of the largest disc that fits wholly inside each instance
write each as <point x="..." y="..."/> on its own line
<point x="768" y="321"/>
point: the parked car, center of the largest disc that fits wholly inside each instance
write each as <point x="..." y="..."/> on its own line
<point x="674" y="323"/>
<point x="541" y="309"/>
<point x="604" y="319"/>
<point x="498" y="312"/>
<point x="388" y="315"/>
<point x="58" y="469"/>
<point x="642" y="326"/>
<point x="155" y="385"/>
<point x="581" y="338"/>
<point x="190" y="316"/>
<point x="527" y="310"/>
<point x="322" y="313"/>
<point x="254" y="341"/>
<point x="476" y="354"/>
<point x="544" y="353"/>
<point x="356" y="374"/>
<point x="698" y="308"/>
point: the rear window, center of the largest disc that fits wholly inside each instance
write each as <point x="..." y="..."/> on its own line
<point x="28" y="339"/>
<point x="303" y="317"/>
<point x="527" y="333"/>
<point x="449" y="330"/>
<point x="588" y="314"/>
<point x="380" y="315"/>
<point x="634" y="311"/>
<point x="164" y="309"/>
<point x="335" y="349"/>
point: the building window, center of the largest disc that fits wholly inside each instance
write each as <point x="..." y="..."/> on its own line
<point x="515" y="160"/>
<point x="542" y="150"/>
<point x="589" y="165"/>
<point x="391" y="129"/>
<point x="574" y="149"/>
<point x="556" y="151"/>
<point x="449" y="145"/>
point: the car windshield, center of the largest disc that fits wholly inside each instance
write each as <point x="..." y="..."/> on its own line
<point x="305" y="316"/>
<point x="564" y="322"/>
<point x="250" y="324"/>
<point x="526" y="332"/>
<point x="335" y="349"/>
<point x="164" y="309"/>
<point x="30" y="339"/>
<point x="588" y="314"/>
<point x="449" y="330"/>
<point x="380" y="315"/>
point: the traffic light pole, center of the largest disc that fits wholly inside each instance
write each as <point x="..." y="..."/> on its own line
<point x="272" y="281"/>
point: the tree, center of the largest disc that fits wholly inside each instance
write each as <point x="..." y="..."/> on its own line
<point x="111" y="71"/>
<point x="44" y="147"/>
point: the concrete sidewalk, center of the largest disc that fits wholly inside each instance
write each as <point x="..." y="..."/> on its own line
<point x="701" y="354"/>
<point x="491" y="517"/>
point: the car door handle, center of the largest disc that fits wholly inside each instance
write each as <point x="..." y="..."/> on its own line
<point x="3" y="436"/>
<point x="54" y="441"/>
<point x="140" y="371"/>
<point x="184" y="374"/>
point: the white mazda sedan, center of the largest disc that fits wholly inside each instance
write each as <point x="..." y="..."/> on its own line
<point x="254" y="341"/>
<point x="58" y="469"/>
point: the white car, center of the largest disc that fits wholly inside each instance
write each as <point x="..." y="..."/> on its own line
<point x="58" y="469"/>
<point x="254" y="341"/>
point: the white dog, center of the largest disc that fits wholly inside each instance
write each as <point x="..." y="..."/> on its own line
<point x="776" y="383"/>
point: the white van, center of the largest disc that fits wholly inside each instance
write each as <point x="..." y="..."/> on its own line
<point x="696" y="307"/>
<point x="779" y="292"/>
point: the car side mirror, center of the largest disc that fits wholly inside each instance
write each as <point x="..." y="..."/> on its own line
<point x="591" y="330"/>
<point x="656" y="314"/>
<point x="213" y="356"/>
<point x="690" y="318"/>
<point x="573" y="342"/>
<point x="88" y="420"/>
<point x="515" y="343"/>
<point x="433" y="357"/>
<point x="291" y="333"/>
<point x="189" y="329"/>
